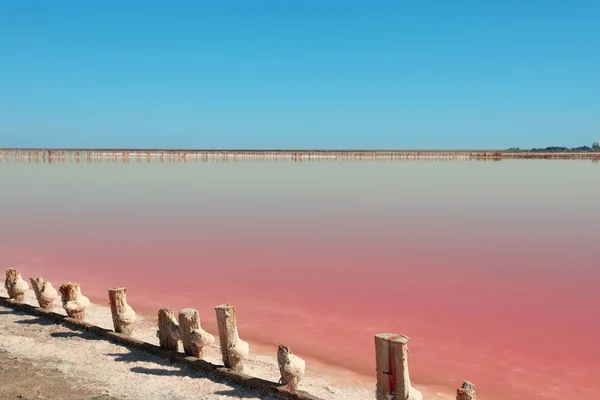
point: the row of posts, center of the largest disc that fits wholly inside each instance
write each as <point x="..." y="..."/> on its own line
<point x="391" y="350"/>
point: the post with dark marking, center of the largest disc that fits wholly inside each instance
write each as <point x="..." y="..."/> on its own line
<point x="383" y="365"/>
<point x="393" y="378"/>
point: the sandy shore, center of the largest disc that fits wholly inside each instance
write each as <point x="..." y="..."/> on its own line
<point x="93" y="367"/>
<point x="27" y="379"/>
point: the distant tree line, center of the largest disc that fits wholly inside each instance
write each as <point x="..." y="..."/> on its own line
<point x="558" y="149"/>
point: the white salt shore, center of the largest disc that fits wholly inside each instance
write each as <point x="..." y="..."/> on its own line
<point x="133" y="374"/>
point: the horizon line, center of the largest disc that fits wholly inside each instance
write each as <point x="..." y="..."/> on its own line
<point x="316" y="150"/>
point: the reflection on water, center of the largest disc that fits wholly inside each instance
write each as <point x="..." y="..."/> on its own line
<point x="486" y="266"/>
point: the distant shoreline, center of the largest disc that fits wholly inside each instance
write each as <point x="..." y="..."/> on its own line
<point x="549" y="150"/>
<point x="294" y="155"/>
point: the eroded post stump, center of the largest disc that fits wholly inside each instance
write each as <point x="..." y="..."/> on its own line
<point x="15" y="285"/>
<point x="189" y="319"/>
<point x="44" y="292"/>
<point x="193" y="337"/>
<point x="123" y="315"/>
<point x="402" y="387"/>
<point x="73" y="301"/>
<point x="393" y="379"/>
<point x="291" y="367"/>
<point x="466" y="391"/>
<point x="168" y="329"/>
<point x="233" y="349"/>
<point x="383" y="366"/>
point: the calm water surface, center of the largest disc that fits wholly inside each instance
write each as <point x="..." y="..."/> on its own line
<point x="492" y="269"/>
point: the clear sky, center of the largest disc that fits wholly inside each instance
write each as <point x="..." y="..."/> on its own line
<point x="299" y="73"/>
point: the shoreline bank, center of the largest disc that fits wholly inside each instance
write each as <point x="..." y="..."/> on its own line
<point x="320" y="380"/>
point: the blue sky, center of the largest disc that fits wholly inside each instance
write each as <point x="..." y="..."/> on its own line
<point x="299" y="74"/>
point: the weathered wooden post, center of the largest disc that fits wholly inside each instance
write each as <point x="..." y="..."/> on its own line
<point x="291" y="367"/>
<point x="44" y="292"/>
<point x="402" y="387"/>
<point x="383" y="366"/>
<point x="15" y="285"/>
<point x="233" y="349"/>
<point x="393" y="379"/>
<point x="193" y="337"/>
<point x="73" y="301"/>
<point x="123" y="315"/>
<point x="168" y="329"/>
<point x="466" y="391"/>
<point x="189" y="319"/>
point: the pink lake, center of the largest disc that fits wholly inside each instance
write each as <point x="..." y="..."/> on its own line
<point x="491" y="268"/>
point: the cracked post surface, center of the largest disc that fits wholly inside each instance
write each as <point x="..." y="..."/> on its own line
<point x="15" y="285"/>
<point x="393" y="378"/>
<point x="74" y="302"/>
<point x="291" y="367"/>
<point x="234" y="350"/>
<point x="168" y="330"/>
<point x="466" y="391"/>
<point x="45" y="293"/>
<point x="194" y="338"/>
<point x="123" y="315"/>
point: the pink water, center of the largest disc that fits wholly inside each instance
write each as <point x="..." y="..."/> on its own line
<point x="491" y="269"/>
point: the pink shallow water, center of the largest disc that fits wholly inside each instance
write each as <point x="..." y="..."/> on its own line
<point x="491" y="269"/>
